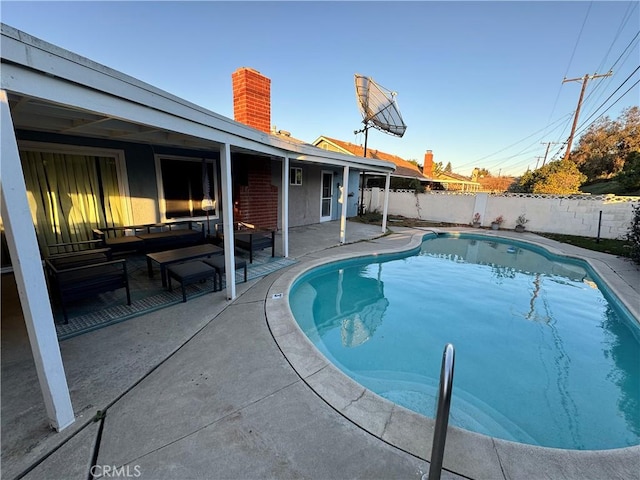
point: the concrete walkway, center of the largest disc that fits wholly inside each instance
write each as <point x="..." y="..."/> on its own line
<point x="198" y="390"/>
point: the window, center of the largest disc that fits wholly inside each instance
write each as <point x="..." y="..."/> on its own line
<point x="295" y="176"/>
<point x="189" y="188"/>
<point x="72" y="190"/>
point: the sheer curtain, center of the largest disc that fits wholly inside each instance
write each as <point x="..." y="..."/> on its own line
<point x="69" y="195"/>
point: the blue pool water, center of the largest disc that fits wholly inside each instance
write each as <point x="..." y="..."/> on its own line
<point x="545" y="355"/>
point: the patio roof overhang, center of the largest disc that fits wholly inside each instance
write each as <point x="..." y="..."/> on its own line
<point x="48" y="89"/>
<point x="53" y="90"/>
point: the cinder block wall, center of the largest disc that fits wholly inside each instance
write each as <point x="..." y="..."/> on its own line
<point x="563" y="214"/>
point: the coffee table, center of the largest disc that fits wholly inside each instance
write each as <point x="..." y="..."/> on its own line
<point x="179" y="255"/>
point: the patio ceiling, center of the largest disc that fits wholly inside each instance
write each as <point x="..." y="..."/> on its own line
<point x="44" y="116"/>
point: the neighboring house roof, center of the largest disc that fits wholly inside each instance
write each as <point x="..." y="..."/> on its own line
<point x="403" y="168"/>
<point x="455" y="178"/>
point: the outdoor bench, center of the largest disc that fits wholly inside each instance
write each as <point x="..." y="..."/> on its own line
<point x="152" y="237"/>
<point x="251" y="238"/>
<point x="74" y="247"/>
<point x="77" y="276"/>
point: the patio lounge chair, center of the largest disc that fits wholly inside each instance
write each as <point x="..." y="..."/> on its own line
<point x="75" y="276"/>
<point x="250" y="238"/>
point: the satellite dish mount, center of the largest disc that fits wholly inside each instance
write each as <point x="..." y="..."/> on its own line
<point x="379" y="110"/>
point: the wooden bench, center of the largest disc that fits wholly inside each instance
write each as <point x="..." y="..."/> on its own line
<point x="81" y="275"/>
<point x="152" y="237"/>
<point x="189" y="273"/>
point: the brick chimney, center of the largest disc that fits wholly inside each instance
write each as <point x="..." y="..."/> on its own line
<point x="427" y="167"/>
<point x="252" y="98"/>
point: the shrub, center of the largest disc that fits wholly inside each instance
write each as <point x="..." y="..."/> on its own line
<point x="633" y="234"/>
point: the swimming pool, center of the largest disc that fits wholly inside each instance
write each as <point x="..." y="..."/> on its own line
<point x="545" y="355"/>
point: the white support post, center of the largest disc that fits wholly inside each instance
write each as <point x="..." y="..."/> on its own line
<point x="385" y="208"/>
<point x="284" y="207"/>
<point x="32" y="288"/>
<point x="343" y="200"/>
<point x="228" y="221"/>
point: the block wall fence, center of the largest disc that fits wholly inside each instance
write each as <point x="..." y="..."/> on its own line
<point x="562" y="214"/>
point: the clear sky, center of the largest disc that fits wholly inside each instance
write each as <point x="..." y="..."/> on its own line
<point x="479" y="83"/>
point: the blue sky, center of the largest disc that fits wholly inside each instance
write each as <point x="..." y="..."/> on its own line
<point x="479" y="83"/>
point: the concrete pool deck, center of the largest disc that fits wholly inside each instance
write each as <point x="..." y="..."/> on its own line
<point x="202" y="390"/>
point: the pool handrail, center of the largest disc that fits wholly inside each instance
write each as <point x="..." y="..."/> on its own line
<point x="443" y="405"/>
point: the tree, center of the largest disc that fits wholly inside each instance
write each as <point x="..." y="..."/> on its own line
<point x="633" y="234"/>
<point x="561" y="177"/>
<point x="483" y="172"/>
<point x="447" y="169"/>
<point x="437" y="169"/>
<point x="603" y="148"/>
<point x="629" y="176"/>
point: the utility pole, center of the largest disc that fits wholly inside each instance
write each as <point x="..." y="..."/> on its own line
<point x="548" y="144"/>
<point x="584" y="81"/>
<point x="537" y="160"/>
<point x="364" y="173"/>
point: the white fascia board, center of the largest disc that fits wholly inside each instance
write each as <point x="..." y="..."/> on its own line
<point x="385" y="167"/>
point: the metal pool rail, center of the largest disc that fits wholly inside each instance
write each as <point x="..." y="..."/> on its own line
<point x="443" y="405"/>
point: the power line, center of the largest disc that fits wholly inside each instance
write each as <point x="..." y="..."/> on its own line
<point x="474" y="162"/>
<point x="609" y="107"/>
<point x="599" y="89"/>
<point x="614" y="92"/>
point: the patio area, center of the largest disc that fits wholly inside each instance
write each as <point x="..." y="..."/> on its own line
<point x="202" y="390"/>
<point x="148" y="294"/>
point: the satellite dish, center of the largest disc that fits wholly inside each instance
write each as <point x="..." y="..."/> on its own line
<point x="379" y="107"/>
<point x="380" y="110"/>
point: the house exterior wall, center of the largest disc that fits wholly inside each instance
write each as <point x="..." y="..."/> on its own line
<point x="304" y="200"/>
<point x="139" y="164"/>
<point x="562" y="214"/>
<point x="354" y="191"/>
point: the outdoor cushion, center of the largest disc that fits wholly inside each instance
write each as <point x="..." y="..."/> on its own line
<point x="190" y="272"/>
<point x="219" y="264"/>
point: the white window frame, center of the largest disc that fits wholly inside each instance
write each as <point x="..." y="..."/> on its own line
<point x="162" y="206"/>
<point x="297" y="173"/>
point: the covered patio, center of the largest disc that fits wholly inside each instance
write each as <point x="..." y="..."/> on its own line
<point x="48" y="93"/>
